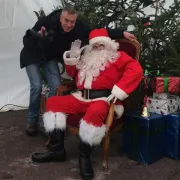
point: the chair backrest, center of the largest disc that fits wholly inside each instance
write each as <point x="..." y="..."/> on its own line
<point x="132" y="48"/>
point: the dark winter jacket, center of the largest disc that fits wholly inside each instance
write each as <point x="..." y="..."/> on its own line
<point x="36" y="50"/>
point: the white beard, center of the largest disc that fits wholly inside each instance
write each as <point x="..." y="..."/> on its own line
<point x="92" y="62"/>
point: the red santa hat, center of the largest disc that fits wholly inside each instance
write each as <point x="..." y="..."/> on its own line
<point x="101" y="36"/>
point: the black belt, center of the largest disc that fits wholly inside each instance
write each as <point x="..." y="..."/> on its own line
<point x="93" y="94"/>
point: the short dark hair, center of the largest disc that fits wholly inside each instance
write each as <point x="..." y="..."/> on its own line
<point x="70" y="9"/>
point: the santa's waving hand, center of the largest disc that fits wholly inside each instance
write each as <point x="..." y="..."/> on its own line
<point x="75" y="50"/>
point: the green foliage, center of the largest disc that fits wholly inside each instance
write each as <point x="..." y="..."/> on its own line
<point x="160" y="41"/>
<point x="106" y="13"/>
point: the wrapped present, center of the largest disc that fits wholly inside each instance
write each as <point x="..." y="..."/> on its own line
<point x="161" y="95"/>
<point x="144" y="138"/>
<point x="163" y="106"/>
<point x="166" y="84"/>
<point x="173" y="135"/>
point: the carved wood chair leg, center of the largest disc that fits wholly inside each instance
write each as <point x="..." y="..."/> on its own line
<point x="106" y="142"/>
<point x="47" y="142"/>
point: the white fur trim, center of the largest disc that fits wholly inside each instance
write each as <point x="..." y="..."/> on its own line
<point x="91" y="134"/>
<point x="88" y="81"/>
<point x="49" y="121"/>
<point x="119" y="110"/>
<point x="78" y="95"/>
<point x="60" y="121"/>
<point x="100" y="39"/>
<point x="68" y="60"/>
<point x="119" y="93"/>
<point x="106" y="40"/>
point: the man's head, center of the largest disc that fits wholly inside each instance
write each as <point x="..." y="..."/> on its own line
<point x="68" y="18"/>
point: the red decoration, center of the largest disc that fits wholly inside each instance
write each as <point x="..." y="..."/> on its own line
<point x="159" y="84"/>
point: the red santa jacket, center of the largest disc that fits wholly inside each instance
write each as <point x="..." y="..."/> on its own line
<point x="121" y="76"/>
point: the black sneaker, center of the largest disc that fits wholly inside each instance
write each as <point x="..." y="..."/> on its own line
<point x="31" y="129"/>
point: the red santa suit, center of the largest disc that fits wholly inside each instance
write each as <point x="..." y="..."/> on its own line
<point x="108" y="69"/>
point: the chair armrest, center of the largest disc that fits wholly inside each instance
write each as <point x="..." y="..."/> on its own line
<point x="60" y="90"/>
<point x="68" y="81"/>
<point x="110" y="117"/>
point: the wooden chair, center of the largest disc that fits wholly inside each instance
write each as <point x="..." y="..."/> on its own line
<point x="132" y="48"/>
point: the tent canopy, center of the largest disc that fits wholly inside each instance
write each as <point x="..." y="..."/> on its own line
<point x="16" y="16"/>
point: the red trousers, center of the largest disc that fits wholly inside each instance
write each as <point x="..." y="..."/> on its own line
<point x="95" y="112"/>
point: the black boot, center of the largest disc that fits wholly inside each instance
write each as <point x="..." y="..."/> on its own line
<point x="86" y="170"/>
<point x="56" y="151"/>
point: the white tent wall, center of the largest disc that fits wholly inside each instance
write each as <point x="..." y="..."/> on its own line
<point x="148" y="10"/>
<point x="16" y="16"/>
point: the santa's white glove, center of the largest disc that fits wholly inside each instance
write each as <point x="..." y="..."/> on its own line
<point x="111" y="97"/>
<point x="75" y="50"/>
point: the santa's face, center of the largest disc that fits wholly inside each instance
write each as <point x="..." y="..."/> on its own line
<point x="96" y="54"/>
<point x="98" y="47"/>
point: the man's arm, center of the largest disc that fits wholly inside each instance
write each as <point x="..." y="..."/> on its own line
<point x="33" y="35"/>
<point x="115" y="33"/>
<point x="46" y="23"/>
<point x="120" y="33"/>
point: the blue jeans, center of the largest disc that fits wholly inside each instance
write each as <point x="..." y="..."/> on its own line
<point x="52" y="73"/>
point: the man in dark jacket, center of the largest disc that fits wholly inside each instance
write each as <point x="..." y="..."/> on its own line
<point x="44" y="46"/>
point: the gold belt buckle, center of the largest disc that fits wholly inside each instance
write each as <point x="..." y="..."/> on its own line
<point x="86" y="93"/>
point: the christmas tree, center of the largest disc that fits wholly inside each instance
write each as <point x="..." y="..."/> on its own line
<point x="158" y="33"/>
<point x="160" y="40"/>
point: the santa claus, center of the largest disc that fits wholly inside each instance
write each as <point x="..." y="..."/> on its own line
<point x="102" y="74"/>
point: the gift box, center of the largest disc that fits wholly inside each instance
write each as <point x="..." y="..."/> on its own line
<point x="161" y="95"/>
<point x="144" y="138"/>
<point x="166" y="84"/>
<point x="163" y="106"/>
<point x="173" y="135"/>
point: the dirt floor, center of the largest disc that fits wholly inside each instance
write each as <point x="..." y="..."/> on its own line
<point x="16" y="148"/>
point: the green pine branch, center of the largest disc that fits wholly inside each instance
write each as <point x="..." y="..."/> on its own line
<point x="160" y="40"/>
